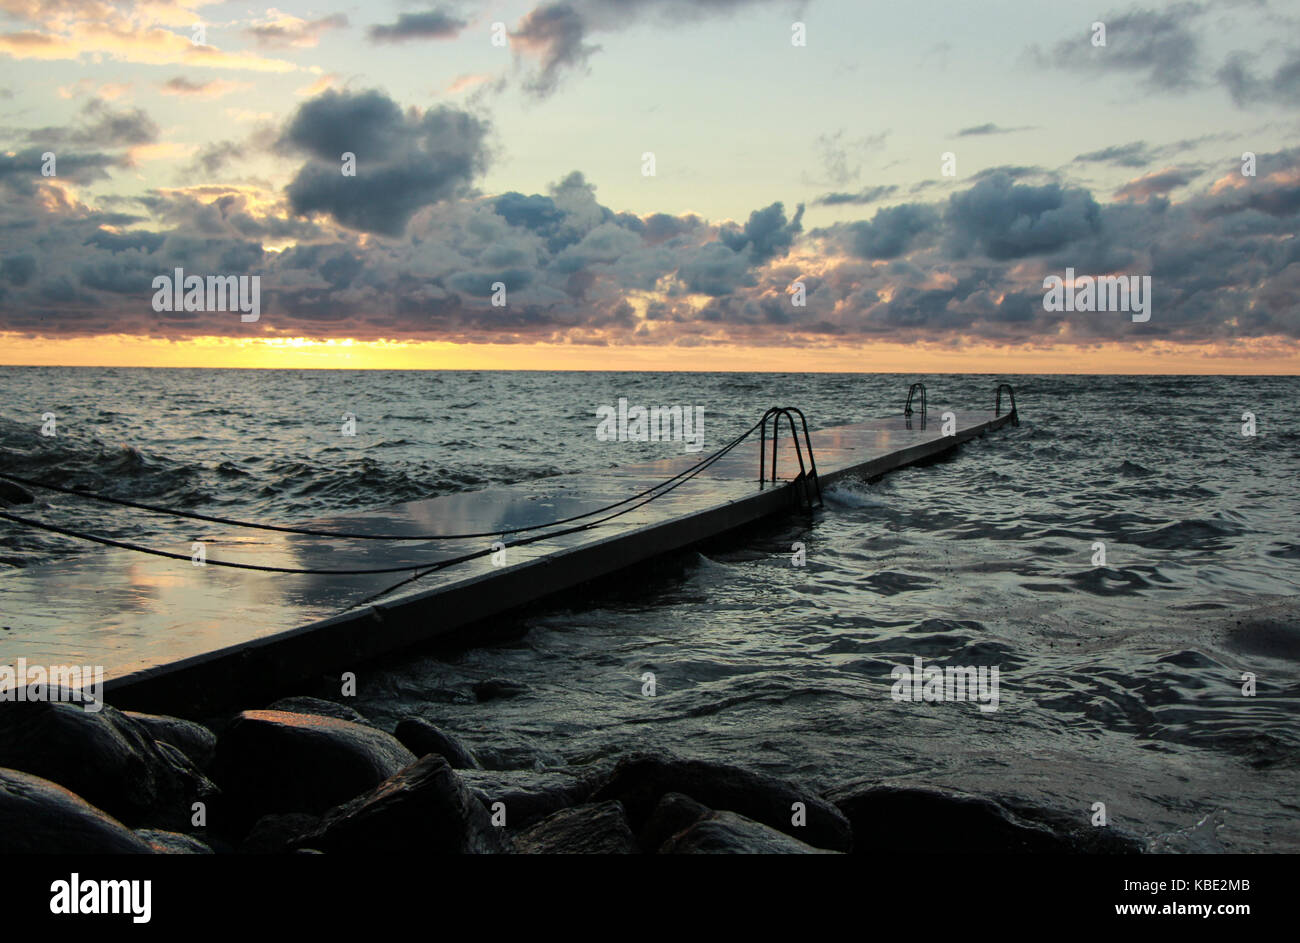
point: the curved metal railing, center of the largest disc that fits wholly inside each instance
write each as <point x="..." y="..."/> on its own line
<point x="997" y="402"/>
<point x="807" y="472"/>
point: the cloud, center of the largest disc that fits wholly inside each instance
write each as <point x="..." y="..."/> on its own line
<point x="889" y="234"/>
<point x="1223" y="255"/>
<point x="842" y="160"/>
<point x="100" y="126"/>
<point x="22" y="171"/>
<point x="1133" y="154"/>
<point x="555" y="34"/>
<point x="1245" y="87"/>
<point x="862" y="197"/>
<point x="204" y="91"/>
<point x="1155" y="184"/>
<point x="140" y="33"/>
<point x="985" y="129"/>
<point x="1160" y="45"/>
<point x="213" y="158"/>
<point x="283" y="30"/>
<point x="765" y="234"/>
<point x="404" y="161"/>
<point x="432" y="24"/>
<point x="1006" y="220"/>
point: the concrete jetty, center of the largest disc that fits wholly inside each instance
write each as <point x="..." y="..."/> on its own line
<point x="170" y="633"/>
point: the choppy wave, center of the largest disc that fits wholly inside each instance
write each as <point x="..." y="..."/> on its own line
<point x="1122" y="679"/>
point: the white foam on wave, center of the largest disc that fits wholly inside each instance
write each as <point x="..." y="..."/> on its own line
<point x="853" y="493"/>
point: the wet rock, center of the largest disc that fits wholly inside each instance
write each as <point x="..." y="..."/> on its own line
<point x="599" y="829"/>
<point x="422" y="738"/>
<point x="302" y="704"/>
<point x="674" y="813"/>
<point x="11" y="493"/>
<point x="278" y="834"/>
<point x="194" y="740"/>
<point x="529" y="796"/>
<point x="640" y="781"/>
<point x="726" y="833"/>
<point x="172" y="843"/>
<point x="41" y="817"/>
<point x="425" y="808"/>
<point x="935" y="820"/>
<point x="276" y="761"/>
<point x="106" y="758"/>
<point x="497" y="688"/>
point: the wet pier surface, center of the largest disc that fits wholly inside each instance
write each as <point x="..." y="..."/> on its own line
<point x="168" y="632"/>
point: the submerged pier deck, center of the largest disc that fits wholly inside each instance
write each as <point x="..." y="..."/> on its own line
<point x="171" y="633"/>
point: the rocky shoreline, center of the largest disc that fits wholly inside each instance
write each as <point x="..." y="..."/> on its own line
<point x="311" y="776"/>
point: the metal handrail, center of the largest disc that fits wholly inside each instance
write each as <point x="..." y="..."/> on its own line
<point x="997" y="403"/>
<point x="775" y="413"/>
<point x="911" y="391"/>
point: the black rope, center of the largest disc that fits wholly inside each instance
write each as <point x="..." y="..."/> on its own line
<point x="109" y="542"/>
<point x="427" y="568"/>
<point x="697" y="470"/>
<point x="346" y="535"/>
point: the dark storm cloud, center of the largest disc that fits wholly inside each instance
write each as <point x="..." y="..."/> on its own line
<point x="889" y="234"/>
<point x="1005" y="220"/>
<point x="22" y="171"/>
<point x="146" y="242"/>
<point x="432" y="24"/>
<point x="660" y="227"/>
<point x="18" y="269"/>
<point x="1276" y="197"/>
<point x="403" y="161"/>
<point x="766" y="234"/>
<point x="1223" y="257"/>
<point x="536" y="212"/>
<point x="715" y="270"/>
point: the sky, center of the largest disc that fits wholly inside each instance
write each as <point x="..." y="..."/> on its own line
<point x="653" y="184"/>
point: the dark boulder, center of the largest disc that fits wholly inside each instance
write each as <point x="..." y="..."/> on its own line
<point x="726" y="833"/>
<point x="640" y="781"/>
<point x="934" y="820"/>
<point x="422" y="738"/>
<point x="106" y="758"/>
<point x="41" y="817"/>
<point x="278" y="834"/>
<point x="194" y="740"/>
<point x="599" y="829"/>
<point x="424" y="809"/>
<point x="674" y="813"/>
<point x="301" y="704"/>
<point x="275" y="761"/>
<point x="172" y="843"/>
<point x="529" y="795"/>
